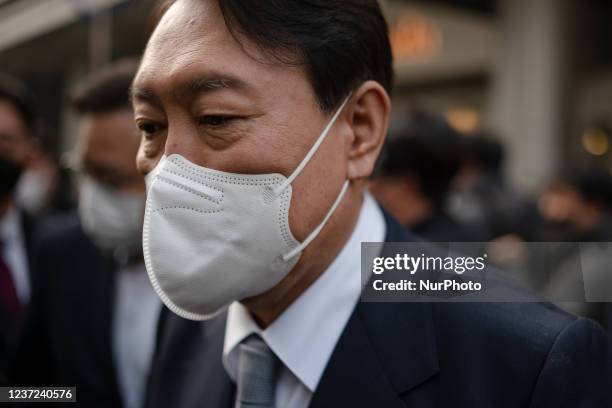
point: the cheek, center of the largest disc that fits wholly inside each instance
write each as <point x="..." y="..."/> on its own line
<point x="317" y="187"/>
<point x="145" y="160"/>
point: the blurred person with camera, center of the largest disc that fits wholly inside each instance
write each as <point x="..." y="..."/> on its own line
<point x="95" y="314"/>
<point x="18" y="229"/>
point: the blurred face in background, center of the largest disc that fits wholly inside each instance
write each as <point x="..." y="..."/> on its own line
<point x="561" y="203"/>
<point x="587" y="215"/>
<point x="16" y="147"/>
<point x="111" y="190"/>
<point x="108" y="144"/>
<point x="557" y="202"/>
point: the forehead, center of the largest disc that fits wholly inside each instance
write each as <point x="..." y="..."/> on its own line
<point x="192" y="36"/>
<point x="192" y="39"/>
<point x="186" y="29"/>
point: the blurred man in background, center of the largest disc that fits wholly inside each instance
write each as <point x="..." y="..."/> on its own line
<point x="95" y="314"/>
<point x="481" y="197"/>
<point x="591" y="214"/>
<point x="416" y="170"/>
<point x="587" y="265"/>
<point x="17" y="229"/>
<point x="550" y="213"/>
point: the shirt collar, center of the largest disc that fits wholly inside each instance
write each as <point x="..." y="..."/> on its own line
<point x="304" y="336"/>
<point x="10" y="228"/>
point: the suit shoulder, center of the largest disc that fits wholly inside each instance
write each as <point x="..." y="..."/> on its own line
<point x="532" y="326"/>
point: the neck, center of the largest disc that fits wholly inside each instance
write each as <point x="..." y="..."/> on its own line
<point x="315" y="259"/>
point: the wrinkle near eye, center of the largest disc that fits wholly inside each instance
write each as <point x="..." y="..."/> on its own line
<point x="222" y="137"/>
<point x="151" y="146"/>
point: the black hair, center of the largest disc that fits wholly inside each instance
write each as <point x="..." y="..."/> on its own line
<point x="426" y="147"/>
<point x="341" y="43"/>
<point x="484" y="151"/>
<point x="18" y="95"/>
<point x="594" y="184"/>
<point x="107" y="89"/>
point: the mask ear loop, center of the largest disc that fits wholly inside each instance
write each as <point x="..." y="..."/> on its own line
<point x="279" y="190"/>
<point x="316" y="231"/>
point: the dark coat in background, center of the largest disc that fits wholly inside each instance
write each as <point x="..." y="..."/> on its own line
<point x="67" y="338"/>
<point x="11" y="327"/>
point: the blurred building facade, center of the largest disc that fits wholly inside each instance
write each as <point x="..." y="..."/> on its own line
<point x="538" y="73"/>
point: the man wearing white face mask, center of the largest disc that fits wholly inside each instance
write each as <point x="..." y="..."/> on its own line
<point x="95" y="311"/>
<point x="261" y="121"/>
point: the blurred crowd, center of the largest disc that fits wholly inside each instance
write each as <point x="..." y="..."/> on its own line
<point x="70" y="229"/>
<point x="450" y="187"/>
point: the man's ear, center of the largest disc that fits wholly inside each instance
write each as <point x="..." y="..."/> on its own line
<point x="369" y="117"/>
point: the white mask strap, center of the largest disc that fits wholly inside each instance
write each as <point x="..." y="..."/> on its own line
<point x="278" y="190"/>
<point x="316" y="231"/>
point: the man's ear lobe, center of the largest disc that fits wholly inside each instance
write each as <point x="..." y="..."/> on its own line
<point x="369" y="118"/>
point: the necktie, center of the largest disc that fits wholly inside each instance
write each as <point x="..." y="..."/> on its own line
<point x="8" y="292"/>
<point x="257" y="372"/>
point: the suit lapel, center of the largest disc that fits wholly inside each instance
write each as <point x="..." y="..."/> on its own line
<point x="386" y="350"/>
<point x="383" y="352"/>
<point x="354" y="376"/>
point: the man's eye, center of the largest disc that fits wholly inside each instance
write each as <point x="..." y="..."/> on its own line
<point x="215" y="120"/>
<point x="149" y="128"/>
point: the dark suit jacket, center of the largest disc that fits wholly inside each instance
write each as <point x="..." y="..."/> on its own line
<point x="441" y="227"/>
<point x="67" y="339"/>
<point x="10" y="327"/>
<point x="471" y="355"/>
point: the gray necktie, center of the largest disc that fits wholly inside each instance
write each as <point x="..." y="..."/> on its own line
<point x="257" y="372"/>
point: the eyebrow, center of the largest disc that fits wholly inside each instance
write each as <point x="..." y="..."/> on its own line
<point x="191" y="88"/>
<point x="143" y="95"/>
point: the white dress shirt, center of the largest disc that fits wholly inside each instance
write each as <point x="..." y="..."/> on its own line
<point x="304" y="336"/>
<point x="137" y="310"/>
<point x="15" y="254"/>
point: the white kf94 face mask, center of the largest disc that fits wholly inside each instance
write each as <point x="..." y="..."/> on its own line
<point x="211" y="237"/>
